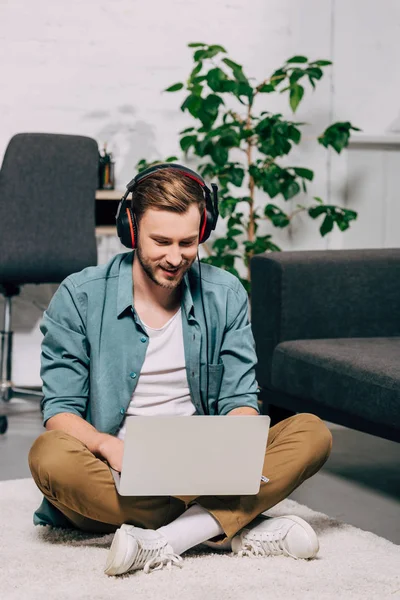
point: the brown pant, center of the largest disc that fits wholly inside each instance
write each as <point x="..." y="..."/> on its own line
<point x="81" y="485"/>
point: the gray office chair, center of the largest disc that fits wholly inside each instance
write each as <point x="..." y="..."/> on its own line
<point x="47" y="224"/>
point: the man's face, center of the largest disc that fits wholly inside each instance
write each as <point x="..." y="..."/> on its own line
<point x="167" y="244"/>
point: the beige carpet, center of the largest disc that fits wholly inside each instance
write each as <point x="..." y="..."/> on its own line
<point x="38" y="563"/>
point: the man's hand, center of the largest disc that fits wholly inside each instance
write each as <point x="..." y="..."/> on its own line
<point x="112" y="449"/>
<point x="243" y="410"/>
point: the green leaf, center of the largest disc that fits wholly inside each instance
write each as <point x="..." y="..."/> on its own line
<point x="187" y="130"/>
<point x="237" y="71"/>
<point x="314" y="72"/>
<point x="231" y="64"/>
<point x="294" y="134"/>
<point x="219" y="154"/>
<point x="208" y="52"/>
<point x="211" y="104"/>
<point x="291" y="189"/>
<point x="195" y="71"/>
<point x="188" y="141"/>
<point x="266" y="88"/>
<point x="296" y="94"/>
<point x="222" y="243"/>
<point x="297" y="59"/>
<point x="276" y="215"/>
<point x="217" y="48"/>
<point x="337" y="135"/>
<point x="244" y="89"/>
<point x="199" y="55"/>
<point x="230" y="139"/>
<point x="278" y="76"/>
<point x="227" y="205"/>
<point x="171" y="159"/>
<point x="327" y="225"/>
<point x="305" y="173"/>
<point x="321" y="63"/>
<point x="214" y="79"/>
<point x="316" y="211"/>
<point x="229" y="86"/>
<point x="174" y="88"/>
<point x="193" y="104"/>
<point x="196" y="45"/>
<point x="234" y="232"/>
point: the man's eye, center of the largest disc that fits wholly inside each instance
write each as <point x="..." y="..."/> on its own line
<point x="187" y="243"/>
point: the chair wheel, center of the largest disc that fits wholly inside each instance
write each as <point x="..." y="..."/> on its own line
<point x="3" y="424"/>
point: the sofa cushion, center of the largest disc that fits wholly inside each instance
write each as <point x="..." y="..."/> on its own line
<point x="357" y="375"/>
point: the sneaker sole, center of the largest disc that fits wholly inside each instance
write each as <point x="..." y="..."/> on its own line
<point x="122" y="547"/>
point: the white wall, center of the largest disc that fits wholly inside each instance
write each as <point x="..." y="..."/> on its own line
<point x="97" y="68"/>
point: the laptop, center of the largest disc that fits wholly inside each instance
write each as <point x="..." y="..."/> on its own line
<point x="197" y="455"/>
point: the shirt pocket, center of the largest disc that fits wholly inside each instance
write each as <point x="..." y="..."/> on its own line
<point x="215" y="373"/>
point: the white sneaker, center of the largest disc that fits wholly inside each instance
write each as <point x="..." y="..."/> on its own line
<point x="135" y="548"/>
<point x="288" y="536"/>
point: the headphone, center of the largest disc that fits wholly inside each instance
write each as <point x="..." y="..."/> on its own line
<point x="127" y="225"/>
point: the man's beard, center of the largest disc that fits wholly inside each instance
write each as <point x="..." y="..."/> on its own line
<point x="150" y="270"/>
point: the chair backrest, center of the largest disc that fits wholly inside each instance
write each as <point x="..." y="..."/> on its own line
<point x="47" y="207"/>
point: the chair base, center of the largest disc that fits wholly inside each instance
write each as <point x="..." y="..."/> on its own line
<point x="8" y="391"/>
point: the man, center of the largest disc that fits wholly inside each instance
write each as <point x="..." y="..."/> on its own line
<point x="150" y="333"/>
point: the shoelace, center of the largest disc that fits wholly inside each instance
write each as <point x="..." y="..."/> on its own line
<point x="158" y="562"/>
<point x="266" y="545"/>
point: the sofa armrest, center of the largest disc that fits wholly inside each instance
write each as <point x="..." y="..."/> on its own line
<point x="323" y="294"/>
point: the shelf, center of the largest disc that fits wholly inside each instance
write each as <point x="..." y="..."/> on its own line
<point x="109" y="194"/>
<point x="106" y="230"/>
<point x="374" y="142"/>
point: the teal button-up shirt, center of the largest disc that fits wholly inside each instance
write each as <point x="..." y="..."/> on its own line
<point x="95" y="344"/>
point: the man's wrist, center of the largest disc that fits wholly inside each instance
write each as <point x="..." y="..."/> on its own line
<point x="244" y="410"/>
<point x="101" y="443"/>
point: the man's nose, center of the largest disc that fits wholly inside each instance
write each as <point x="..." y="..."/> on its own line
<point x="174" y="256"/>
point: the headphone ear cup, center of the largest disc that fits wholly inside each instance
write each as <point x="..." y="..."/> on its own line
<point x="133" y="229"/>
<point x="203" y="227"/>
<point x="207" y="225"/>
<point x="127" y="227"/>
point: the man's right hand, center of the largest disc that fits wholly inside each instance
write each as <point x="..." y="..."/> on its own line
<point x="112" y="449"/>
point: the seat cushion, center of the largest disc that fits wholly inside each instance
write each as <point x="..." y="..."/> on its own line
<point x="358" y="375"/>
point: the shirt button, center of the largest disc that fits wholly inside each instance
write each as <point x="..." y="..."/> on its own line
<point x="132" y="375"/>
<point x="122" y="411"/>
<point x="143" y="339"/>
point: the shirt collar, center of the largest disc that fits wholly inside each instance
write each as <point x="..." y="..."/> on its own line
<point x="187" y="299"/>
<point x="125" y="284"/>
<point x="125" y="288"/>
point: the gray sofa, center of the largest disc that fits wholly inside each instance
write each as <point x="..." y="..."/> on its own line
<point x="327" y="332"/>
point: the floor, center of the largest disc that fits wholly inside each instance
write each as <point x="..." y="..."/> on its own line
<point x="360" y="483"/>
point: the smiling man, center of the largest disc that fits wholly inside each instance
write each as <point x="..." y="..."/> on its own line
<point x="150" y="333"/>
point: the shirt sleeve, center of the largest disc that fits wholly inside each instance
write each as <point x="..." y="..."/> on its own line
<point x="238" y="355"/>
<point x="65" y="355"/>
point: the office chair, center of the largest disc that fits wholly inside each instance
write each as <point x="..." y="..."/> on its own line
<point x="47" y="225"/>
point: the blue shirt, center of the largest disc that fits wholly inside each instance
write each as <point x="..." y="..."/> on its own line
<point x="95" y="344"/>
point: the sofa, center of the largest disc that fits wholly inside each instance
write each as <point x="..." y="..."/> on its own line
<point x="327" y="329"/>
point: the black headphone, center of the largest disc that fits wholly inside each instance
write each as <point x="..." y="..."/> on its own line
<point x="127" y="226"/>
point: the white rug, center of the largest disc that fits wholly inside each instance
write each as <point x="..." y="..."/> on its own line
<point x="37" y="563"/>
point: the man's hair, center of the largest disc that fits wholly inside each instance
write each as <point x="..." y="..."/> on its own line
<point x="167" y="190"/>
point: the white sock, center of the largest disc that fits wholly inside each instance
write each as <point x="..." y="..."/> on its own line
<point x="194" y="526"/>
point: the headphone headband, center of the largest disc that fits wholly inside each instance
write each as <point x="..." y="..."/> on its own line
<point x="126" y="220"/>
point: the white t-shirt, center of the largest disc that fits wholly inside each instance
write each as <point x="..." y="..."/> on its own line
<point x="162" y="388"/>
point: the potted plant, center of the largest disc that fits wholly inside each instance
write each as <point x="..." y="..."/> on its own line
<point x="215" y="84"/>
